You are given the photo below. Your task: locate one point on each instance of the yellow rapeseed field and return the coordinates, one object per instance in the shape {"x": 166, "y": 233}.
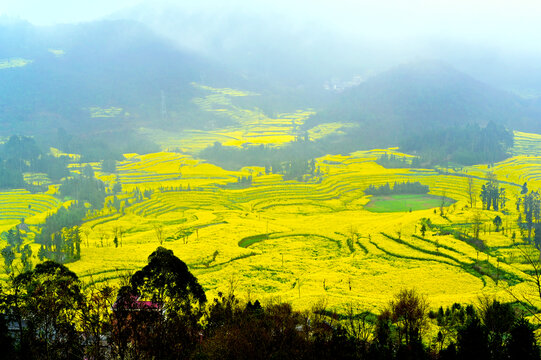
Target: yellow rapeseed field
{"x": 301, "y": 242}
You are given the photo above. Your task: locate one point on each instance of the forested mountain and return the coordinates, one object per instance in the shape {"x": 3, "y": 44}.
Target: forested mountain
{"x": 419, "y": 105}
{"x": 93, "y": 76}
{"x": 425, "y": 96}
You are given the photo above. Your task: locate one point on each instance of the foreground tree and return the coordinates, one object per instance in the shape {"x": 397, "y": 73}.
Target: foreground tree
{"x": 171, "y": 300}
{"x": 473, "y": 341}
{"x": 498, "y": 319}
{"x": 48, "y": 298}
{"x": 408, "y": 311}
{"x": 521, "y": 343}
{"x": 95, "y": 319}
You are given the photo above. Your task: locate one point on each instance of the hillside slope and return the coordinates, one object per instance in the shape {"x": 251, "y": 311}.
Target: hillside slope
{"x": 425, "y": 97}
{"x": 94, "y": 75}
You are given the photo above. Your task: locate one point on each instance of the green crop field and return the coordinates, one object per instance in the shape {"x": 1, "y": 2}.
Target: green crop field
{"x": 406, "y": 202}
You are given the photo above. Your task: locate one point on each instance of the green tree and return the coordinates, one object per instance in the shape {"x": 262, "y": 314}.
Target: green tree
{"x": 117, "y": 187}
{"x": 498, "y": 319}
{"x": 472, "y": 341}
{"x": 521, "y": 343}
{"x": 497, "y": 222}
{"x": 531, "y": 204}
{"x": 96, "y": 320}
{"x": 14, "y": 239}
{"x": 88, "y": 171}
{"x": 6, "y": 341}
{"x": 423, "y": 229}
{"x": 26, "y": 258}
{"x": 50, "y": 296}
{"x": 9, "y": 257}
{"x": 503, "y": 198}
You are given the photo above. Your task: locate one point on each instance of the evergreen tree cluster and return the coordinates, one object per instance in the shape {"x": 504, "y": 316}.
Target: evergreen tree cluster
{"x": 463, "y": 144}
{"x": 297, "y": 169}
{"x": 244, "y": 180}
{"x": 397, "y": 188}
{"x": 492, "y": 194}
{"x": 15, "y": 240}
{"x": 50, "y": 236}
{"x": 104, "y": 146}
{"x": 529, "y": 219}
{"x": 108, "y": 165}
{"x": 64, "y": 246}
{"x": 297, "y": 154}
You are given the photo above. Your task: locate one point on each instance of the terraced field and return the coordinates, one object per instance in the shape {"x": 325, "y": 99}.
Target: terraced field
{"x": 250, "y": 126}
{"x": 21, "y": 204}
{"x": 304, "y": 242}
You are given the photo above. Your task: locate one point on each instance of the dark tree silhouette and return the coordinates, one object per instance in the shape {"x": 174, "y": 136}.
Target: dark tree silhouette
{"x": 521, "y": 343}
{"x": 166, "y": 283}
{"x": 409, "y": 310}
{"x": 473, "y": 341}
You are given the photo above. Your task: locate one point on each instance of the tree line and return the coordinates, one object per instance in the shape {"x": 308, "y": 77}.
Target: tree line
{"x": 161, "y": 312}
{"x": 406, "y": 187}
{"x": 492, "y": 194}
{"x": 393, "y": 161}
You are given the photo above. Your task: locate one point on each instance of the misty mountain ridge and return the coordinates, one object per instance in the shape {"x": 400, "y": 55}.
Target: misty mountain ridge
{"x": 423, "y": 96}
{"x": 297, "y": 44}
{"x": 123, "y": 67}
{"x": 101, "y": 64}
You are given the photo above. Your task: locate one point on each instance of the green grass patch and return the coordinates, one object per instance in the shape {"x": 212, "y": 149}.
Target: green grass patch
{"x": 250, "y": 240}
{"x": 405, "y": 202}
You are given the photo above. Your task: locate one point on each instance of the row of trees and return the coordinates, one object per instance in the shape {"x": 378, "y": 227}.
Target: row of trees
{"x": 529, "y": 208}
{"x": 492, "y": 194}
{"x": 393, "y": 161}
{"x": 161, "y": 312}
{"x": 397, "y": 188}
{"x": 63, "y": 246}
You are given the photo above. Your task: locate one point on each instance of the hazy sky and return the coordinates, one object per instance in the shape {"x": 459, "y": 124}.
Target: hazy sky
{"x": 48, "y": 12}
{"x": 513, "y": 23}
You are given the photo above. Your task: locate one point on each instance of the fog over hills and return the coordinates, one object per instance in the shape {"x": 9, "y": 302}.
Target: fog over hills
{"x": 310, "y": 42}
{"x": 72, "y": 68}
{"x": 147, "y": 56}
{"x": 424, "y": 96}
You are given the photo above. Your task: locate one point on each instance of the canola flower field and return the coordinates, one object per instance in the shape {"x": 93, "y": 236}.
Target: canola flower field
{"x": 302, "y": 242}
